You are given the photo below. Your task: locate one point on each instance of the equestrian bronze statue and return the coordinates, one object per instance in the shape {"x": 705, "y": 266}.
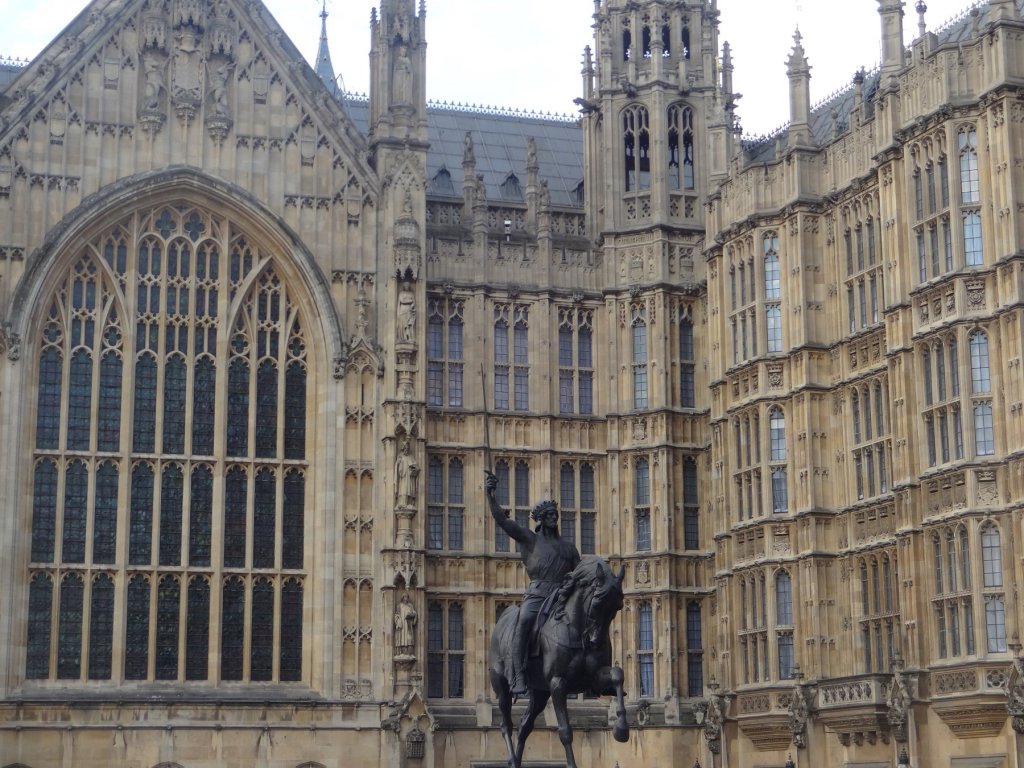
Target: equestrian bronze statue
{"x": 556, "y": 642}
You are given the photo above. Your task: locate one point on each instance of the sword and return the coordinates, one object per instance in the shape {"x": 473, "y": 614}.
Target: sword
{"x": 487, "y": 432}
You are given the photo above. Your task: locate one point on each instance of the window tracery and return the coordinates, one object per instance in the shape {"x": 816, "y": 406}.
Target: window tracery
{"x": 132, "y": 386}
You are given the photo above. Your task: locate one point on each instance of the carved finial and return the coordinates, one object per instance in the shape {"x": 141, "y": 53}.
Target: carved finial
{"x": 921, "y": 9}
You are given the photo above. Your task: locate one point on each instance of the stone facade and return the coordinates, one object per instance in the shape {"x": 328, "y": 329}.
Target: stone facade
{"x": 260, "y": 344}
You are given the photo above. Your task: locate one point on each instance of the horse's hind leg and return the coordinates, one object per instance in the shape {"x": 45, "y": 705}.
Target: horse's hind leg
{"x": 537, "y": 701}
{"x": 559, "y": 695}
{"x": 500, "y": 686}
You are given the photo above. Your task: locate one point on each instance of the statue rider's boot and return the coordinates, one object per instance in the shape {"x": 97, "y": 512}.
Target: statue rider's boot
{"x": 519, "y": 683}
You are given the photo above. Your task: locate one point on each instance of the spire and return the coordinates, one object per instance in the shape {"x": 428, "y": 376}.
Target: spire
{"x": 891, "y": 13}
{"x": 799, "y": 73}
{"x": 324, "y": 68}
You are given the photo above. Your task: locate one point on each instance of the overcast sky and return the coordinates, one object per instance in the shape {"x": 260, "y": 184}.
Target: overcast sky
{"x": 526, "y": 53}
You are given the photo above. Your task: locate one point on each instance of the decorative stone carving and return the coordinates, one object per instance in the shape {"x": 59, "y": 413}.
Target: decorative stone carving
{"x": 10, "y": 342}
{"x": 186, "y": 91}
{"x": 642, "y": 574}
{"x": 975, "y": 294}
{"x": 898, "y": 702}
{"x": 1015, "y": 695}
{"x": 714, "y": 719}
{"x": 218, "y": 115}
{"x": 405, "y": 626}
{"x": 407, "y": 472}
{"x": 401, "y": 78}
{"x": 799, "y": 714}
{"x": 154, "y": 89}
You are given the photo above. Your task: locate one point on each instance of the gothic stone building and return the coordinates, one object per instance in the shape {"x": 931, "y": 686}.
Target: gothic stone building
{"x": 251, "y": 328}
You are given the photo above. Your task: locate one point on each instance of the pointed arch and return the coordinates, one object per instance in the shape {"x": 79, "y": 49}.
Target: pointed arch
{"x": 153, "y": 189}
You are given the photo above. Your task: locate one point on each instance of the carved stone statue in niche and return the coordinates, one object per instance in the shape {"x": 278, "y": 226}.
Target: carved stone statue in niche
{"x": 468, "y": 156}
{"x": 407, "y": 473}
{"x": 531, "y": 154}
{"x": 405, "y": 625}
{"x": 218, "y": 90}
{"x": 154, "y": 87}
{"x": 401, "y": 78}
{"x": 187, "y": 87}
{"x": 406, "y": 315}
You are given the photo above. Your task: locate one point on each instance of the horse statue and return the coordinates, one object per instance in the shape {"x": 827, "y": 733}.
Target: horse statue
{"x": 571, "y": 654}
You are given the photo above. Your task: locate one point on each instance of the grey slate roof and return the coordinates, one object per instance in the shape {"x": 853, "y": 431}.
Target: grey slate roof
{"x": 960, "y": 29}
{"x": 499, "y": 145}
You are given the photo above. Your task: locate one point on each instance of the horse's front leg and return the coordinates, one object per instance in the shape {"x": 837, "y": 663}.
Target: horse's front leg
{"x": 612, "y": 677}
{"x": 500, "y": 686}
{"x": 559, "y": 695}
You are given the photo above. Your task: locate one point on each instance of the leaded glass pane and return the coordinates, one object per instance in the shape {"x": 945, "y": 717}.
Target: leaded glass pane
{"x": 104, "y": 523}
{"x": 136, "y": 645}
{"x": 171, "y": 490}
{"x": 76, "y": 495}
{"x": 140, "y": 533}
{"x": 144, "y": 421}
{"x": 79, "y": 400}
{"x": 232, "y": 636}
{"x": 197, "y": 629}
{"x": 101, "y": 628}
{"x": 261, "y": 657}
{"x": 44, "y": 511}
{"x": 291, "y": 631}
{"x": 109, "y": 421}
{"x": 264, "y": 519}
{"x": 48, "y": 411}
{"x": 203, "y": 406}
{"x": 69, "y": 628}
{"x": 266, "y": 409}
{"x": 40, "y": 608}
{"x": 238, "y": 408}
{"x": 200, "y": 517}
{"x": 236, "y": 503}
{"x": 293, "y": 524}
{"x": 168, "y": 597}
{"x": 295, "y": 411}
{"x": 174, "y": 405}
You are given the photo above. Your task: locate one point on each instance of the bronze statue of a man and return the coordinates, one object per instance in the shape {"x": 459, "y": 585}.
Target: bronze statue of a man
{"x": 548, "y": 559}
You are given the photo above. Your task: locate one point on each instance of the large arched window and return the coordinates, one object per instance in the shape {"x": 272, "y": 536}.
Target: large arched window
{"x": 169, "y": 469}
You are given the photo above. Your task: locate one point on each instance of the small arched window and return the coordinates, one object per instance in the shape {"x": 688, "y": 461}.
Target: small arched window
{"x": 636, "y": 139}
{"x": 784, "y": 599}
{"x": 680, "y": 147}
{"x": 981, "y": 381}
{"x": 991, "y": 557}
{"x": 777, "y": 428}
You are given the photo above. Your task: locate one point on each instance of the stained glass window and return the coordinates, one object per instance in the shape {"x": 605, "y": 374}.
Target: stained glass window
{"x": 168, "y": 597}
{"x": 104, "y": 523}
{"x": 203, "y": 406}
{"x": 101, "y": 627}
{"x": 238, "y": 408}
{"x": 128, "y": 376}
{"x": 140, "y": 542}
{"x": 174, "y": 405}
{"x": 266, "y": 409}
{"x": 197, "y": 629}
{"x": 79, "y": 400}
{"x": 76, "y": 496}
{"x": 261, "y": 657}
{"x": 40, "y": 608}
{"x": 136, "y": 652}
{"x": 293, "y": 523}
{"x": 291, "y": 630}
{"x": 264, "y": 519}
{"x": 44, "y": 511}
{"x": 232, "y": 629}
{"x": 236, "y": 489}
{"x": 145, "y": 404}
{"x": 170, "y": 515}
{"x": 69, "y": 627}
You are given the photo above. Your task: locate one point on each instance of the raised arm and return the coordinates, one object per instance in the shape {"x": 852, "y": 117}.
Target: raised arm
{"x": 516, "y": 531}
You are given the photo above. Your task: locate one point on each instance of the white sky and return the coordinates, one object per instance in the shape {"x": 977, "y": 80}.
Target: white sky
{"x": 526, "y": 53}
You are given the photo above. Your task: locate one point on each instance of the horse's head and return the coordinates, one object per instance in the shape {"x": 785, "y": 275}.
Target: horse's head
{"x": 603, "y": 601}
